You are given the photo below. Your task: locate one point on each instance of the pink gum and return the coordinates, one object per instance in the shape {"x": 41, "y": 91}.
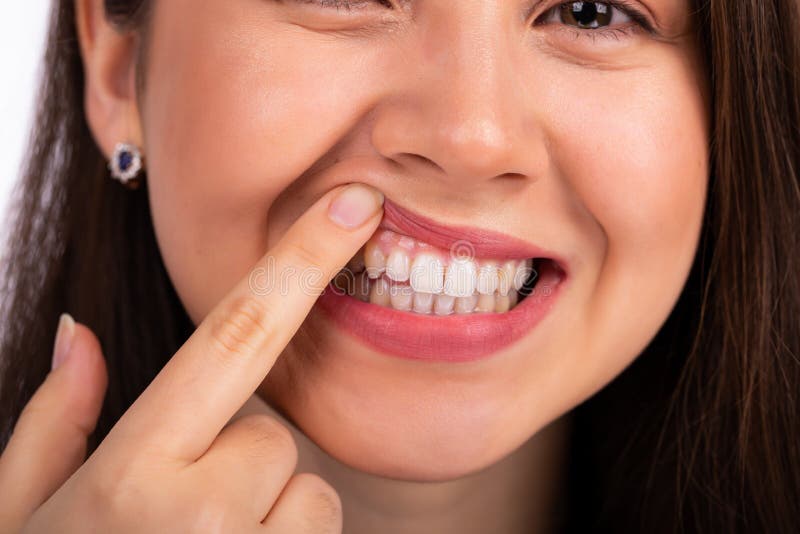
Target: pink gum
{"x": 387, "y": 241}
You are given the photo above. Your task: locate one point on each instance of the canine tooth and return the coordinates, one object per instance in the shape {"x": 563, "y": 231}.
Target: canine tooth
{"x": 487, "y": 278}
{"x": 423, "y": 302}
{"x": 466, "y": 304}
{"x": 501, "y": 303}
{"x": 505, "y": 276}
{"x": 485, "y": 303}
{"x": 524, "y": 270}
{"x": 443, "y": 304}
{"x": 460, "y": 279}
{"x": 401, "y": 297}
{"x": 427, "y": 273}
{"x": 379, "y": 293}
{"x": 374, "y": 260}
{"x": 398, "y": 265}
{"x": 513, "y": 298}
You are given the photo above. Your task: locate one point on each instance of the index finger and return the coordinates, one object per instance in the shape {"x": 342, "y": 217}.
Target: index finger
{"x": 229, "y": 354}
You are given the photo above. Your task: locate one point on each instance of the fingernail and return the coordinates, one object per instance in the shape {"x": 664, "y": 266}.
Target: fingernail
{"x": 64, "y": 335}
{"x": 355, "y": 205}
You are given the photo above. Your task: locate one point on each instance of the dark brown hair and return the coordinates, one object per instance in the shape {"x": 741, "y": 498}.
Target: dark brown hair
{"x": 699, "y": 434}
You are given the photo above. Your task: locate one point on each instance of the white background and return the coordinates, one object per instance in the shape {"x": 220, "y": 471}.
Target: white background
{"x": 22, "y": 33}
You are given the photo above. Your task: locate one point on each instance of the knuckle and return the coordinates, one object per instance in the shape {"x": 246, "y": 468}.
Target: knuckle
{"x": 267, "y": 437}
{"x": 240, "y": 327}
{"x": 115, "y": 490}
{"x": 323, "y": 504}
{"x": 211, "y": 516}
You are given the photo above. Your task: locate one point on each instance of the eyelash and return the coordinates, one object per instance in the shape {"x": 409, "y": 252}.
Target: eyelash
{"x": 640, "y": 21}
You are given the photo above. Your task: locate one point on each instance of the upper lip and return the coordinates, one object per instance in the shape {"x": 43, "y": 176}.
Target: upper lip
{"x": 478, "y": 242}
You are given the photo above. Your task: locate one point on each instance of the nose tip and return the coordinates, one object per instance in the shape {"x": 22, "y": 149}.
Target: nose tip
{"x": 466, "y": 146}
{"x": 460, "y": 112}
{"x": 480, "y": 147}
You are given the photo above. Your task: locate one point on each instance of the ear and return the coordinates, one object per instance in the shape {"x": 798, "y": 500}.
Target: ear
{"x": 109, "y": 58}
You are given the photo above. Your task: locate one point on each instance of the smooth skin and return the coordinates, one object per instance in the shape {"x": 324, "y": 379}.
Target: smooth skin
{"x": 171, "y": 464}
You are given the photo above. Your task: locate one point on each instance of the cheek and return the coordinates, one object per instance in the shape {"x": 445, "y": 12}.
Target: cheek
{"x": 227, "y": 130}
{"x": 635, "y": 150}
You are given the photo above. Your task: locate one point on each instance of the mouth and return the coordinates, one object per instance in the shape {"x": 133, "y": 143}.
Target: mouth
{"x": 421, "y": 290}
{"x": 399, "y": 272}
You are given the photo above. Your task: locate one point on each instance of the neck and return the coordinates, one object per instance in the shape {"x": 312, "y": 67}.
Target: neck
{"x": 517, "y": 494}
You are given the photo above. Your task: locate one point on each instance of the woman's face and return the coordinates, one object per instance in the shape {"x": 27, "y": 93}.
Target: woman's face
{"x": 497, "y": 115}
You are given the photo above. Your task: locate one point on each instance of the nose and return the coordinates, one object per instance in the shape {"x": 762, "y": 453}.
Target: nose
{"x": 456, "y": 109}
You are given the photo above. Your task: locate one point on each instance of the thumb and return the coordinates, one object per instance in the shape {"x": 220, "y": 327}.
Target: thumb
{"x": 49, "y": 441}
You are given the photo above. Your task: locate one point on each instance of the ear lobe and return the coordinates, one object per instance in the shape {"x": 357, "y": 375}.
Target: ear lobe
{"x": 109, "y": 62}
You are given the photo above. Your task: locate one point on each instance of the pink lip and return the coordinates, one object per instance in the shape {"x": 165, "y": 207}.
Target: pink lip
{"x": 483, "y": 243}
{"x": 451, "y": 338}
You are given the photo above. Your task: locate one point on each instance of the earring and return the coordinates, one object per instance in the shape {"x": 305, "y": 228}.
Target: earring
{"x": 125, "y": 164}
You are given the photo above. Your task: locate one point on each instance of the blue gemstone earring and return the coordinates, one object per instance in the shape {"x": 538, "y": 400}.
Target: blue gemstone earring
{"x": 125, "y": 164}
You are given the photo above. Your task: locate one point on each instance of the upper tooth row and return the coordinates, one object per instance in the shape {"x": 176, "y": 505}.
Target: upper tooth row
{"x": 462, "y": 277}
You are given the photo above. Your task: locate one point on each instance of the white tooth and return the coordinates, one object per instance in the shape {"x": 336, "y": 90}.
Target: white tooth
{"x": 427, "y": 273}
{"x": 466, "y": 304}
{"x": 397, "y": 266}
{"x": 513, "y": 298}
{"x": 401, "y": 297}
{"x": 524, "y": 269}
{"x": 487, "y": 278}
{"x": 362, "y": 287}
{"x": 485, "y": 303}
{"x": 379, "y": 293}
{"x": 443, "y": 304}
{"x": 423, "y": 302}
{"x": 374, "y": 260}
{"x": 461, "y": 276}
{"x": 505, "y": 276}
{"x": 501, "y": 303}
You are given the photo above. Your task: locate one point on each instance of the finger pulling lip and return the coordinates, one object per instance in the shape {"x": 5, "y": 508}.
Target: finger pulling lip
{"x": 469, "y": 240}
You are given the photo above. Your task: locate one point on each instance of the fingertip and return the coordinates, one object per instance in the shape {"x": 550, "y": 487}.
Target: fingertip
{"x": 88, "y": 370}
{"x": 355, "y": 205}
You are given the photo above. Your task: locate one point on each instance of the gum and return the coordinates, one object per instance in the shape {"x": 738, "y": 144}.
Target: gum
{"x": 387, "y": 241}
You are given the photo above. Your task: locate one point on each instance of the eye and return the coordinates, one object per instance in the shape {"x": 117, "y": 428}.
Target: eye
{"x": 604, "y": 16}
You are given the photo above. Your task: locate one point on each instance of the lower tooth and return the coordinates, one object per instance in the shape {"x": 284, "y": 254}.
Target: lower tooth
{"x": 423, "y": 302}
{"x": 362, "y": 287}
{"x": 502, "y": 303}
{"x": 401, "y": 297}
{"x": 443, "y": 304}
{"x": 379, "y": 293}
{"x": 513, "y": 298}
{"x": 485, "y": 303}
{"x": 466, "y": 304}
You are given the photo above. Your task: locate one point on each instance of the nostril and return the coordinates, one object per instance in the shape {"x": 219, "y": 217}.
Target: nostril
{"x": 423, "y": 160}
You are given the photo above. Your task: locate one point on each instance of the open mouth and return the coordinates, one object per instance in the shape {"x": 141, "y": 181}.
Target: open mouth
{"x": 422, "y": 290}
{"x": 399, "y": 272}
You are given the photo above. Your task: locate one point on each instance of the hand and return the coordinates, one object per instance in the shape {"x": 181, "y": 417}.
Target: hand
{"x": 172, "y": 463}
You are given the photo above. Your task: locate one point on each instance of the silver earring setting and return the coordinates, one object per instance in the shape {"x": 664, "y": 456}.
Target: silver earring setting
{"x": 126, "y": 163}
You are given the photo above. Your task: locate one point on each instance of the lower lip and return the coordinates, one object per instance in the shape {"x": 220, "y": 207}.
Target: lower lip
{"x": 450, "y": 338}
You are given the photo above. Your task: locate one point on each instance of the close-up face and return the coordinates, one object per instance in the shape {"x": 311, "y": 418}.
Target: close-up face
{"x": 574, "y": 135}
